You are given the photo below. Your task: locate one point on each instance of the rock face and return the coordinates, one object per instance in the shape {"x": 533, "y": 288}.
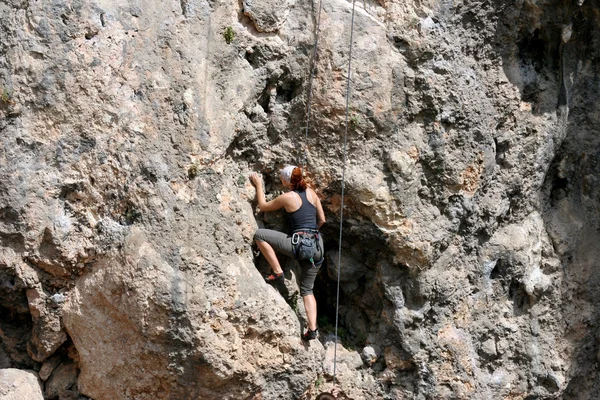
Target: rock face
{"x": 18, "y": 384}
{"x": 471, "y": 204}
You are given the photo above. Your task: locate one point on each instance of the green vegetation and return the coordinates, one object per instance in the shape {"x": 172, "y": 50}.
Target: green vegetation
{"x": 344, "y": 336}
{"x": 6, "y": 96}
{"x": 354, "y": 121}
{"x": 131, "y": 214}
{"x": 241, "y": 181}
{"x": 324, "y": 324}
{"x": 327, "y": 326}
{"x": 439, "y": 168}
{"x": 228, "y": 34}
{"x": 320, "y": 381}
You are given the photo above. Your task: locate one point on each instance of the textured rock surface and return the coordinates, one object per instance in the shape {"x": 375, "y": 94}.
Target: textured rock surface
{"x": 18, "y": 384}
{"x": 470, "y": 232}
{"x": 63, "y": 378}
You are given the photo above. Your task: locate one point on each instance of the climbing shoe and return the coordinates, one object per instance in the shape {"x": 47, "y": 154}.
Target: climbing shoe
{"x": 275, "y": 278}
{"x": 310, "y": 335}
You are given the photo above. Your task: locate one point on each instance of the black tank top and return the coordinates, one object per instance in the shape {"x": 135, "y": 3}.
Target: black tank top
{"x": 305, "y": 217}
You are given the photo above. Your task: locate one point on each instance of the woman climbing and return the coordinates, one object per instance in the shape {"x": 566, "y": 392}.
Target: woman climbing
{"x": 306, "y": 216}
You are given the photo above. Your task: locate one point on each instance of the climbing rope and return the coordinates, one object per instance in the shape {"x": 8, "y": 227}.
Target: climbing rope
{"x": 305, "y": 155}
{"x": 337, "y": 303}
{"x": 313, "y": 67}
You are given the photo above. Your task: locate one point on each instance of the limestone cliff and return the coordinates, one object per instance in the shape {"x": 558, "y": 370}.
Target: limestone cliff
{"x": 469, "y": 265}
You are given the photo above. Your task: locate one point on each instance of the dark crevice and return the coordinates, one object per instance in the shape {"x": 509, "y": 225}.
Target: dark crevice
{"x": 184, "y": 7}
{"x": 500, "y": 270}
{"x": 15, "y": 331}
{"x": 550, "y": 383}
{"x": 12, "y": 292}
{"x": 149, "y": 174}
{"x": 502, "y": 146}
{"x": 540, "y": 50}
{"x": 131, "y": 214}
{"x": 559, "y": 189}
{"x": 258, "y": 55}
{"x": 520, "y": 298}
{"x": 70, "y": 191}
{"x": 534, "y": 63}
{"x": 91, "y": 33}
{"x": 556, "y": 183}
{"x": 265, "y": 99}
{"x": 243, "y": 147}
{"x": 252, "y": 58}
{"x": 288, "y": 89}
{"x": 9, "y": 216}
{"x": 361, "y": 296}
{"x": 400, "y": 43}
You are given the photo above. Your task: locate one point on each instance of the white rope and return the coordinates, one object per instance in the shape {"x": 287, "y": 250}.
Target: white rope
{"x": 337, "y": 304}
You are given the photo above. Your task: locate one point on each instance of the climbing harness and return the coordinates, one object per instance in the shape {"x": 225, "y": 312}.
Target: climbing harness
{"x": 337, "y": 303}
{"x": 313, "y": 67}
{"x": 306, "y": 246}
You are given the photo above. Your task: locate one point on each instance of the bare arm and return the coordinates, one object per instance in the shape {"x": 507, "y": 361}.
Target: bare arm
{"x": 265, "y": 205}
{"x": 319, "y": 207}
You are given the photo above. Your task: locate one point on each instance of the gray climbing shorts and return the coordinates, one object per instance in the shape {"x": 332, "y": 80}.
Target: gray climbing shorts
{"x": 282, "y": 243}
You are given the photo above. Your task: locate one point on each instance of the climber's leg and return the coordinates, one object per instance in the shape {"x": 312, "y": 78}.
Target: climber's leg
{"x": 267, "y": 251}
{"x": 270, "y": 241}
{"x": 310, "y": 305}
{"x": 307, "y": 282}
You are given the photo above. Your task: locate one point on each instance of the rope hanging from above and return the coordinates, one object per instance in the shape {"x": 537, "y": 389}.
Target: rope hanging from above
{"x": 313, "y": 68}
{"x": 305, "y": 157}
{"x": 349, "y": 81}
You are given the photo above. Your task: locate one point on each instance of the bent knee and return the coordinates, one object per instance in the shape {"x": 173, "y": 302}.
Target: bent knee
{"x": 259, "y": 235}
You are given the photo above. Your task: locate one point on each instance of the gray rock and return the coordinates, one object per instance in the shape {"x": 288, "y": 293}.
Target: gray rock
{"x": 61, "y": 380}
{"x": 57, "y": 299}
{"x": 346, "y": 361}
{"x": 16, "y": 384}
{"x": 350, "y": 269}
{"x": 369, "y": 355}
{"x": 489, "y": 347}
{"x": 48, "y": 366}
{"x": 470, "y": 209}
{"x": 5, "y": 361}
{"x": 47, "y": 334}
{"x": 268, "y": 15}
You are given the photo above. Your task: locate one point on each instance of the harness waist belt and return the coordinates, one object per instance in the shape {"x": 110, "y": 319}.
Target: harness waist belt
{"x": 306, "y": 230}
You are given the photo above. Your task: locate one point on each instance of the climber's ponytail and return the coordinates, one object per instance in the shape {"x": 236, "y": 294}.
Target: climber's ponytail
{"x": 297, "y": 180}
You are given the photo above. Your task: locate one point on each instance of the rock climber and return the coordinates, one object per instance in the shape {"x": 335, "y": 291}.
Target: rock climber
{"x": 306, "y": 216}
